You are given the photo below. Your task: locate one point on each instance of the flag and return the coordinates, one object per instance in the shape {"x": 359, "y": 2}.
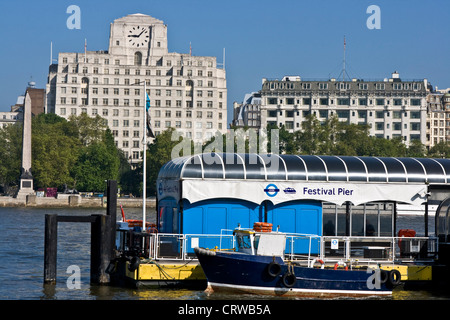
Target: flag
{"x": 147, "y": 109}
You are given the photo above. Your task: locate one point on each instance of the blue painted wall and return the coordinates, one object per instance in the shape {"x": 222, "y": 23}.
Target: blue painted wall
{"x": 213, "y": 216}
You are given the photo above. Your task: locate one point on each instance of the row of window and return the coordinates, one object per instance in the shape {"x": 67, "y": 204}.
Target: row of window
{"x": 137, "y": 72}
{"x": 106, "y": 61}
{"x": 187, "y": 114}
{"x": 137, "y": 92}
{"x": 157, "y": 114}
{"x": 346, "y": 114}
{"x": 344, "y": 101}
{"x": 137, "y": 102}
{"x": 158, "y": 82}
{"x": 188, "y": 124}
{"x": 345, "y": 85}
{"x": 396, "y": 126}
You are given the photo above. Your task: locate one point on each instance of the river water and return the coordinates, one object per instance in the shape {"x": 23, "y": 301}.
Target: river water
{"x": 22, "y": 256}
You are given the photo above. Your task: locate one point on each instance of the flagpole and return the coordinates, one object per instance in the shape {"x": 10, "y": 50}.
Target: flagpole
{"x": 144, "y": 164}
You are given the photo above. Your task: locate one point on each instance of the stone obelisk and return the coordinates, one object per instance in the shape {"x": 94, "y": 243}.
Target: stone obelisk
{"x": 26, "y": 178}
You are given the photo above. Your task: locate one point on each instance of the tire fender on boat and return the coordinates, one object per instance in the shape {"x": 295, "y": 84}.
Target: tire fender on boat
{"x": 289, "y": 279}
{"x": 394, "y": 277}
{"x": 134, "y": 263}
{"x": 273, "y": 269}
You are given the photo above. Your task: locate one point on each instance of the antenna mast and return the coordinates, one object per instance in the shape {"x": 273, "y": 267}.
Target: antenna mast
{"x": 343, "y": 67}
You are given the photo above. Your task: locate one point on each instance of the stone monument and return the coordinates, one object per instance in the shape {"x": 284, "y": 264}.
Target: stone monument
{"x": 26, "y": 178}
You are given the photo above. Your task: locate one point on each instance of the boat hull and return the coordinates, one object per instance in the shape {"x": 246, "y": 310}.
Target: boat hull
{"x": 242, "y": 273}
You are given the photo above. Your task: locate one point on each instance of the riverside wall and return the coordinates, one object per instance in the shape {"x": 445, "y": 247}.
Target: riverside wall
{"x": 70, "y": 200}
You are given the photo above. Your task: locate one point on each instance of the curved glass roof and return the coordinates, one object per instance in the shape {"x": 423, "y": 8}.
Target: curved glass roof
{"x": 307, "y": 168}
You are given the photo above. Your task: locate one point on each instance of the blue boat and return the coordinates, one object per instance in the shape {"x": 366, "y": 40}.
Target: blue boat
{"x": 258, "y": 264}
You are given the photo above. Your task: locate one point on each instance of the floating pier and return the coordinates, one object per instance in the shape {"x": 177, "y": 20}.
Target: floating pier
{"x": 150, "y": 273}
{"x": 137, "y": 266}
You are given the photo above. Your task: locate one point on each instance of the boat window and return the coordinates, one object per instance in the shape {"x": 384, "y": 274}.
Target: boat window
{"x": 244, "y": 241}
{"x": 256, "y": 242}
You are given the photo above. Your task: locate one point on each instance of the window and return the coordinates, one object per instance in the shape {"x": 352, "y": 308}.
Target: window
{"x": 138, "y": 59}
{"x": 343, "y": 101}
{"x": 415, "y": 115}
{"x": 415, "y": 126}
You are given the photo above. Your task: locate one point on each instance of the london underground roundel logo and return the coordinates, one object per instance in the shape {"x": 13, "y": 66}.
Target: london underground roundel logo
{"x": 271, "y": 190}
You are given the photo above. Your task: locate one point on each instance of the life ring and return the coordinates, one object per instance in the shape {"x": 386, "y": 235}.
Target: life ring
{"x": 137, "y": 223}
{"x": 273, "y": 269}
{"x": 319, "y": 261}
{"x": 134, "y": 263}
{"x": 152, "y": 229}
{"x": 262, "y": 226}
{"x": 336, "y": 265}
{"x": 394, "y": 277}
{"x": 289, "y": 279}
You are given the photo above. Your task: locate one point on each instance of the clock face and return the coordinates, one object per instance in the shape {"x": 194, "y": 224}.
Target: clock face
{"x": 138, "y": 36}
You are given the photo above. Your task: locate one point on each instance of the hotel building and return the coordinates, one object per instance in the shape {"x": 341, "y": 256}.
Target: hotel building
{"x": 393, "y": 107}
{"x": 187, "y": 92}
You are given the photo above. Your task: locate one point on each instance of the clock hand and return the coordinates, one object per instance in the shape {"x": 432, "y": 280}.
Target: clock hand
{"x": 133, "y": 35}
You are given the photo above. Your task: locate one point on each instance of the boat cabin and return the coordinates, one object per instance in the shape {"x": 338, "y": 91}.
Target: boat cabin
{"x": 260, "y": 243}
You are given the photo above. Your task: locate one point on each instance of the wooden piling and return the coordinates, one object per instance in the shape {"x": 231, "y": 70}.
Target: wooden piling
{"x": 102, "y": 239}
{"x": 50, "y": 248}
{"x": 111, "y": 210}
{"x": 101, "y": 250}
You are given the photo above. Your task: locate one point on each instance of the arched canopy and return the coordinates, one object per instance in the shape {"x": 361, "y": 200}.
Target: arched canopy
{"x": 282, "y": 178}
{"x": 308, "y": 168}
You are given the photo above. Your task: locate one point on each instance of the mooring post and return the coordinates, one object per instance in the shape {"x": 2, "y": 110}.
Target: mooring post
{"x": 50, "y": 248}
{"x": 100, "y": 249}
{"x": 111, "y": 209}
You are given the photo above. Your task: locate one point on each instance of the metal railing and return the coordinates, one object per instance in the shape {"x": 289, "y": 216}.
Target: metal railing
{"x": 383, "y": 249}
{"x": 299, "y": 247}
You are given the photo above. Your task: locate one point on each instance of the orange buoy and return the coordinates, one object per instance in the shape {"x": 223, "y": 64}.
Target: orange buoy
{"x": 262, "y": 226}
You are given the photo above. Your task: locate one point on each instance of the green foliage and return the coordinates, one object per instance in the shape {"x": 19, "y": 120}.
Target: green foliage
{"x": 55, "y": 150}
{"x": 10, "y": 156}
{"x": 160, "y": 151}
{"x": 340, "y": 138}
{"x": 79, "y": 153}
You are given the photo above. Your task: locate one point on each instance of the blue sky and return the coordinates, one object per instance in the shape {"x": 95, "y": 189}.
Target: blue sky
{"x": 263, "y": 39}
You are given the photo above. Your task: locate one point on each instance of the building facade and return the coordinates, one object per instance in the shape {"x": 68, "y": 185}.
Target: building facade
{"x": 36, "y": 99}
{"x": 392, "y": 107}
{"x": 436, "y": 119}
{"x": 248, "y": 113}
{"x": 186, "y": 92}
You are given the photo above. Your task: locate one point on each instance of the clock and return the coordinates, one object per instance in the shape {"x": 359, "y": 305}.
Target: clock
{"x": 138, "y": 36}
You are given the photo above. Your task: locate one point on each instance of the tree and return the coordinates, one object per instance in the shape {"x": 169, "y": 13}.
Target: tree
{"x": 55, "y": 150}
{"x": 164, "y": 147}
{"x": 99, "y": 158}
{"x": 96, "y": 163}
{"x": 440, "y": 150}
{"x": 10, "y": 156}
{"x": 416, "y": 149}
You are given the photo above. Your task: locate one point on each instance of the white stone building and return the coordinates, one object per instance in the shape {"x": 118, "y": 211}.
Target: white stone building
{"x": 393, "y": 107}
{"x": 188, "y": 93}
